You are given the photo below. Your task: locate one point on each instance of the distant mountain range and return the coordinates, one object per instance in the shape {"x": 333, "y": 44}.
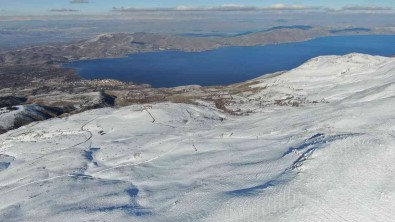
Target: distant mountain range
{"x": 121, "y": 44}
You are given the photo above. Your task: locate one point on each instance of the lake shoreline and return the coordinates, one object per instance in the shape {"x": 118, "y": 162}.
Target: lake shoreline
{"x": 205, "y": 64}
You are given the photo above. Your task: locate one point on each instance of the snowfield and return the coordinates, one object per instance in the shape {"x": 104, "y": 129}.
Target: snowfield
{"x": 330, "y": 159}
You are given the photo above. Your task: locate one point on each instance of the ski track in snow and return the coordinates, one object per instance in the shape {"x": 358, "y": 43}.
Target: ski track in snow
{"x": 328, "y": 161}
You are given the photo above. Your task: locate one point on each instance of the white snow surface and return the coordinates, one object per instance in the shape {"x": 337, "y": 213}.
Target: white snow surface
{"x": 327, "y": 161}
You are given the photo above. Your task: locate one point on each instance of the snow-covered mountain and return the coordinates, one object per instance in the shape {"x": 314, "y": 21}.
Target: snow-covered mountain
{"x": 322, "y": 150}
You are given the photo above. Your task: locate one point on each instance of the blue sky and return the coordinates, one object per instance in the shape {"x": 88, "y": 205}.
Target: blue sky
{"x": 45, "y": 7}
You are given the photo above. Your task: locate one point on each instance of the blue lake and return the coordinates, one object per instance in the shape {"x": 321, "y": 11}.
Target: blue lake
{"x": 226, "y": 65}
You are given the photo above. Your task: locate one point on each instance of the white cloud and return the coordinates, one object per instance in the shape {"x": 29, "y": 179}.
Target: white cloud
{"x": 79, "y": 1}
{"x": 289, "y": 7}
{"x": 63, "y": 10}
{"x": 272, "y": 8}
{"x": 225, "y": 7}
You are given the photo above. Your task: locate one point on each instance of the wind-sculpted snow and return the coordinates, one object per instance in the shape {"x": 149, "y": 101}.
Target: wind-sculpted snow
{"x": 331, "y": 160}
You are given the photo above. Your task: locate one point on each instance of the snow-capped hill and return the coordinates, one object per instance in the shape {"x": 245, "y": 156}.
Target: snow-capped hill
{"x": 326, "y": 161}
{"x": 108, "y": 38}
{"x": 57, "y": 103}
{"x": 333, "y": 78}
{"x": 349, "y": 59}
{"x": 16, "y": 116}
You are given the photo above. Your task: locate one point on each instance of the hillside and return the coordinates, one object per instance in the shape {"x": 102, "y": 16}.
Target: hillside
{"x": 312, "y": 144}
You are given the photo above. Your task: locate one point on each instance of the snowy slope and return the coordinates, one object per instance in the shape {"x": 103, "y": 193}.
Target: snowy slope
{"x": 331, "y": 160}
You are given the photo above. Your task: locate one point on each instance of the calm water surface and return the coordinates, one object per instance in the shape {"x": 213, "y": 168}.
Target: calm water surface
{"x": 226, "y": 65}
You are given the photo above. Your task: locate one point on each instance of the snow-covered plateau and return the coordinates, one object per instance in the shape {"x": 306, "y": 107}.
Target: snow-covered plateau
{"x": 331, "y": 159}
